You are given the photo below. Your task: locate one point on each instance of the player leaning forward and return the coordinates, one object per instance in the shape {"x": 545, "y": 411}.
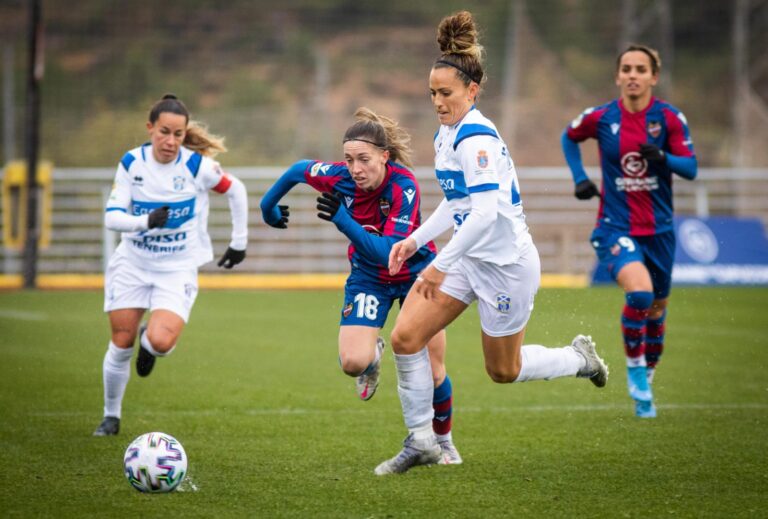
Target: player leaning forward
{"x": 159, "y": 202}
{"x": 490, "y": 258}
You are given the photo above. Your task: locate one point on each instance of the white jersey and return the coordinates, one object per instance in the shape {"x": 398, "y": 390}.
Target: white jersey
{"x": 470, "y": 157}
{"x": 143, "y": 184}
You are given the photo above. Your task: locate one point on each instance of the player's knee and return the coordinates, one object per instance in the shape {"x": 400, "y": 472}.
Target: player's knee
{"x": 162, "y": 343}
{"x": 352, "y": 365}
{"x": 404, "y": 341}
{"x": 503, "y": 374}
{"x": 640, "y": 300}
{"x": 123, "y": 338}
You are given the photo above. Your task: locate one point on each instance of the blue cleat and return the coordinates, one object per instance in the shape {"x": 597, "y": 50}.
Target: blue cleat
{"x": 644, "y": 409}
{"x": 637, "y": 381}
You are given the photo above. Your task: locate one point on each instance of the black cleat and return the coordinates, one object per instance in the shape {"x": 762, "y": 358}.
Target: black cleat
{"x": 145, "y": 361}
{"x": 110, "y": 426}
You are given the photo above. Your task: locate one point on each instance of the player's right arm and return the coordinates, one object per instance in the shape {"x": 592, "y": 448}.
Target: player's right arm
{"x": 581, "y": 128}
{"x": 277, "y": 215}
{"x": 117, "y": 215}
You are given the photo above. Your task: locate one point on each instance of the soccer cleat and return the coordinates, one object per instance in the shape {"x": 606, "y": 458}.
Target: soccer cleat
{"x": 415, "y": 452}
{"x": 110, "y": 426}
{"x": 596, "y": 370}
{"x": 449, "y": 455}
{"x": 645, "y": 409}
{"x": 367, "y": 383}
{"x": 145, "y": 361}
{"x": 637, "y": 384}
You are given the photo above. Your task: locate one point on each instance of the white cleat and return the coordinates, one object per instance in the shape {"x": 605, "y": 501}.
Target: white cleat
{"x": 367, "y": 383}
{"x": 596, "y": 370}
{"x": 415, "y": 452}
{"x": 449, "y": 455}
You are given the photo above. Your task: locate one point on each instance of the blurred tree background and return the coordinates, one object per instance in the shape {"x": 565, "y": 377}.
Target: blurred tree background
{"x": 281, "y": 81}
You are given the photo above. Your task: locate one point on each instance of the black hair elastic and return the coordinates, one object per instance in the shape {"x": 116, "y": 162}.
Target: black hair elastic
{"x": 457, "y": 67}
{"x": 363, "y": 140}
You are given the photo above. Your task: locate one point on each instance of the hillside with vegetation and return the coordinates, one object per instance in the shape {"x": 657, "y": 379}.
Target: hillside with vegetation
{"x": 281, "y": 81}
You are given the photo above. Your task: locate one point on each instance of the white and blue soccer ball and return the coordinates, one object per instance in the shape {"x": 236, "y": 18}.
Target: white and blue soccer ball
{"x": 155, "y": 462}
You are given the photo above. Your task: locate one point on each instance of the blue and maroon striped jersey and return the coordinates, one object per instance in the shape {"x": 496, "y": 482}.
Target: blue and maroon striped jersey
{"x": 391, "y": 210}
{"x": 636, "y": 194}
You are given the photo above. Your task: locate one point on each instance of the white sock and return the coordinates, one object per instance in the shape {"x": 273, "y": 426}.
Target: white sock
{"x": 148, "y": 346}
{"x": 444, "y": 437}
{"x": 416, "y": 388}
{"x": 116, "y": 372}
{"x": 540, "y": 363}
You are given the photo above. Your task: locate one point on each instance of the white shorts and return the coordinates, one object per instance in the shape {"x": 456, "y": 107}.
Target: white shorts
{"x": 504, "y": 294}
{"x": 129, "y": 286}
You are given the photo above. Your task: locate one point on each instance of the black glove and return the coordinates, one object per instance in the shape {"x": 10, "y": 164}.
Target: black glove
{"x": 282, "y": 223}
{"x": 158, "y": 217}
{"x": 652, "y": 153}
{"x": 586, "y": 189}
{"x": 328, "y": 205}
{"x": 231, "y": 258}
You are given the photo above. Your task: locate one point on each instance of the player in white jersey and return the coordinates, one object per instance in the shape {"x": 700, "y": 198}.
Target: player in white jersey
{"x": 159, "y": 202}
{"x": 491, "y": 257}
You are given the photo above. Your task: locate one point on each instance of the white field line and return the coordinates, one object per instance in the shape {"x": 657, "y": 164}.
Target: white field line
{"x": 459, "y": 410}
{"x": 22, "y": 315}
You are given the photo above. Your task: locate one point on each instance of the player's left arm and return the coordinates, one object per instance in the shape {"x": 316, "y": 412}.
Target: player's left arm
{"x": 218, "y": 180}
{"x": 680, "y": 158}
{"x": 374, "y": 247}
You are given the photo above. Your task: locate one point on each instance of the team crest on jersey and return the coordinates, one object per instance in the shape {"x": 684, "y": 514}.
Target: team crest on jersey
{"x": 654, "y": 128}
{"x": 616, "y": 249}
{"x": 347, "y": 310}
{"x": 503, "y": 303}
{"x": 178, "y": 183}
{"x": 633, "y": 164}
{"x": 384, "y": 206}
{"x": 482, "y": 159}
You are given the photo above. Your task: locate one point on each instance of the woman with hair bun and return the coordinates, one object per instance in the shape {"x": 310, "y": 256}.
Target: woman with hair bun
{"x": 490, "y": 258}
{"x": 374, "y": 200}
{"x": 159, "y": 202}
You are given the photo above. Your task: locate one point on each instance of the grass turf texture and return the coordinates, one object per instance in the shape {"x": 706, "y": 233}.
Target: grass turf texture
{"x": 273, "y": 428}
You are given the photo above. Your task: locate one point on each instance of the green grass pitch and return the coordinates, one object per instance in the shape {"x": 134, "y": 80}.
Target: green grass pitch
{"x": 273, "y": 428}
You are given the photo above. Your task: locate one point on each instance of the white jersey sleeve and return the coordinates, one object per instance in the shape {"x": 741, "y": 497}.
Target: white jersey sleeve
{"x": 212, "y": 177}
{"x": 117, "y": 216}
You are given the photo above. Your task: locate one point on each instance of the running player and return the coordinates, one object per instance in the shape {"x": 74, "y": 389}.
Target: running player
{"x": 159, "y": 202}
{"x": 642, "y": 141}
{"x": 374, "y": 199}
{"x": 491, "y": 257}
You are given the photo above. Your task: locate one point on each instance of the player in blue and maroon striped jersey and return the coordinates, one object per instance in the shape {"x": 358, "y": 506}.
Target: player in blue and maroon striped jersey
{"x": 642, "y": 141}
{"x": 375, "y": 202}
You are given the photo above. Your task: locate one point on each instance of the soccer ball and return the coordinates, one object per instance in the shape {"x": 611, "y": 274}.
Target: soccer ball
{"x": 155, "y": 462}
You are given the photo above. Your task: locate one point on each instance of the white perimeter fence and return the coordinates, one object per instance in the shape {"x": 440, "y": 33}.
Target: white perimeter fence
{"x": 560, "y": 224}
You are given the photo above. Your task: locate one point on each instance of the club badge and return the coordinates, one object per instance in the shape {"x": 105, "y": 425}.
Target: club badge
{"x": 482, "y": 159}
{"x": 178, "y": 183}
{"x": 654, "y": 128}
{"x": 347, "y": 310}
{"x": 503, "y": 303}
{"x": 384, "y": 205}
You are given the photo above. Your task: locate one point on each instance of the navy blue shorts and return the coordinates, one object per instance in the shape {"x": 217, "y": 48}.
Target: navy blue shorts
{"x": 367, "y": 302}
{"x": 616, "y": 248}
